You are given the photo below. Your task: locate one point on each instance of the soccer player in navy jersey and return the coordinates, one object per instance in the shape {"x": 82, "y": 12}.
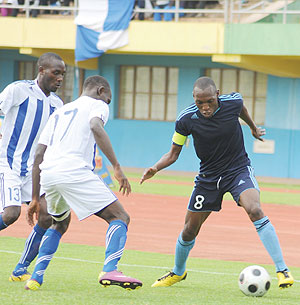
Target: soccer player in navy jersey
{"x": 26, "y": 105}
{"x": 213, "y": 122}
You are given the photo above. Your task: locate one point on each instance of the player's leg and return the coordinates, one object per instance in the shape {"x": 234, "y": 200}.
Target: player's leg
{"x": 60, "y": 212}
{"x": 9, "y": 216}
{"x": 48, "y": 247}
{"x": 10, "y": 199}
{"x": 32, "y": 244}
{"x": 249, "y": 200}
{"x": 206, "y": 197}
{"x": 184, "y": 244}
{"x": 245, "y": 191}
{"x": 116, "y": 237}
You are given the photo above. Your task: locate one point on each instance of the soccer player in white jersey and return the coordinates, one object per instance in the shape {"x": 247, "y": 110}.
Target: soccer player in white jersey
{"x": 26, "y": 105}
{"x": 63, "y": 165}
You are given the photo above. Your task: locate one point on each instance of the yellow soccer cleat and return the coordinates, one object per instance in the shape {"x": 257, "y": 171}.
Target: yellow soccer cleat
{"x": 285, "y": 279}
{"x": 19, "y": 278}
{"x": 169, "y": 279}
{"x": 32, "y": 285}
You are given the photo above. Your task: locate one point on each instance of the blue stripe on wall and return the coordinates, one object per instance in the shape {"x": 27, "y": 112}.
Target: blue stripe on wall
{"x": 17, "y": 131}
{"x": 33, "y": 133}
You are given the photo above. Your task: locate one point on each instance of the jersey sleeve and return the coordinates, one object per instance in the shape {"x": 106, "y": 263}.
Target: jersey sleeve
{"x": 47, "y": 132}
{"x": 100, "y": 110}
{"x": 181, "y": 133}
{"x": 7, "y": 98}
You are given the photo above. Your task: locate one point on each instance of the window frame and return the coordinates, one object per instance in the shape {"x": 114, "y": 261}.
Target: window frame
{"x": 134, "y": 93}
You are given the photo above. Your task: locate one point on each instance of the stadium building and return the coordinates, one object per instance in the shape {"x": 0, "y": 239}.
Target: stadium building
{"x": 252, "y": 49}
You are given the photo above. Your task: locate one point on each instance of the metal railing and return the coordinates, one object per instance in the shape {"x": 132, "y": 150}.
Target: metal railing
{"x": 229, "y": 11}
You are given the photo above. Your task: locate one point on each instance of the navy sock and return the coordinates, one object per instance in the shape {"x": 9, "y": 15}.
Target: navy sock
{"x": 116, "y": 236}
{"x": 3, "y": 225}
{"x": 182, "y": 251}
{"x": 48, "y": 247}
{"x": 270, "y": 240}
{"x": 31, "y": 250}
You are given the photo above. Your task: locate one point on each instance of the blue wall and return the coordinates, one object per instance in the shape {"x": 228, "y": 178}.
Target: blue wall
{"x": 142, "y": 143}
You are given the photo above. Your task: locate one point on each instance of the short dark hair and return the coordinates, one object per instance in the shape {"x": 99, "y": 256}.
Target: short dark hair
{"x": 95, "y": 80}
{"x": 44, "y": 60}
{"x": 204, "y": 82}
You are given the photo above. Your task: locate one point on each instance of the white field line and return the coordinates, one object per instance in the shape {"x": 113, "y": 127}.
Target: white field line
{"x": 138, "y": 266}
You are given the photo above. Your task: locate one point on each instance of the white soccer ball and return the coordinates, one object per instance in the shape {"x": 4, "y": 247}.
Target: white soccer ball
{"x": 254, "y": 281}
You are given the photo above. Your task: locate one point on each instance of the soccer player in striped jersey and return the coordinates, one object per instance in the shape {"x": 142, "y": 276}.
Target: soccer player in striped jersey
{"x": 64, "y": 163}
{"x": 27, "y": 106}
{"x": 213, "y": 122}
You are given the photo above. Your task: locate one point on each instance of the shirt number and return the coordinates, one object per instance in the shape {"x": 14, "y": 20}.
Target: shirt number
{"x": 72, "y": 114}
{"x": 199, "y": 200}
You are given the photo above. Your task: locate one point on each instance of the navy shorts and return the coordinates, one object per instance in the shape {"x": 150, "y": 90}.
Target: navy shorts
{"x": 208, "y": 196}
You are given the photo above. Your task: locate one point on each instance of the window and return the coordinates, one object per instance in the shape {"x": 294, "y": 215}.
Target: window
{"x": 27, "y": 70}
{"x": 148, "y": 93}
{"x": 252, "y": 86}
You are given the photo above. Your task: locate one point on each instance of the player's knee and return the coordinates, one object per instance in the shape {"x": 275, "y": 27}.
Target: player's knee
{"x": 45, "y": 220}
{"x": 189, "y": 234}
{"x": 255, "y": 213}
{"x": 125, "y": 217}
{"x": 61, "y": 226}
{"x": 11, "y": 214}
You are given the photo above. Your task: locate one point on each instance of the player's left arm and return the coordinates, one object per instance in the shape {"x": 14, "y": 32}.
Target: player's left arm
{"x": 104, "y": 143}
{"x": 257, "y": 132}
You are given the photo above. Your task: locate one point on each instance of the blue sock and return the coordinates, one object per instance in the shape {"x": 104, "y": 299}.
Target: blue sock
{"x": 182, "y": 251}
{"x": 270, "y": 240}
{"x": 116, "y": 236}
{"x": 31, "y": 250}
{"x": 48, "y": 247}
{"x": 3, "y": 225}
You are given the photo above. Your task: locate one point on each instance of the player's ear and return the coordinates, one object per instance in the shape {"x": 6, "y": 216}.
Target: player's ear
{"x": 100, "y": 90}
{"x": 41, "y": 69}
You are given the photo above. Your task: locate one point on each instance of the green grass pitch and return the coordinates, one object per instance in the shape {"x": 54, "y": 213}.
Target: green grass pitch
{"x": 72, "y": 279}
{"x": 72, "y": 275}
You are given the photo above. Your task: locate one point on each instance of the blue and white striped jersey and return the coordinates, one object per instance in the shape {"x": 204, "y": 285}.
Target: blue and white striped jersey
{"x": 26, "y": 111}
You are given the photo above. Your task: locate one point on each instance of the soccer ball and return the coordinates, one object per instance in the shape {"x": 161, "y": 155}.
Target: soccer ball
{"x": 254, "y": 281}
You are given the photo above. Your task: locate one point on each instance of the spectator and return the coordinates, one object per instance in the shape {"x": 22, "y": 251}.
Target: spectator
{"x": 66, "y": 3}
{"x": 6, "y": 11}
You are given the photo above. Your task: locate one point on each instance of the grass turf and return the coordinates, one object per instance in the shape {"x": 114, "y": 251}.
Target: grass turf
{"x": 185, "y": 189}
{"x": 72, "y": 279}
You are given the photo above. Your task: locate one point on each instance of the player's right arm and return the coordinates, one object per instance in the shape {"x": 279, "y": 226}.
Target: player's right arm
{"x": 34, "y": 206}
{"x": 166, "y": 160}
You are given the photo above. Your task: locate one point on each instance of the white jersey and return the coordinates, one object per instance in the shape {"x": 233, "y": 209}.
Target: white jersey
{"x": 69, "y": 139}
{"x": 26, "y": 111}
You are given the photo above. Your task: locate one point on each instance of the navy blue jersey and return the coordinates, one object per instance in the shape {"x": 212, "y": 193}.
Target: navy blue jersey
{"x": 218, "y": 140}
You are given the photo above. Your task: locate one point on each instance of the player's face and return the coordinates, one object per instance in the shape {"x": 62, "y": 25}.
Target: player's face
{"x": 51, "y": 77}
{"x": 206, "y": 100}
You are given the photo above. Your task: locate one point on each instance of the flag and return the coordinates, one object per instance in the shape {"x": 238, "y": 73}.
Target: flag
{"x": 101, "y": 169}
{"x": 101, "y": 25}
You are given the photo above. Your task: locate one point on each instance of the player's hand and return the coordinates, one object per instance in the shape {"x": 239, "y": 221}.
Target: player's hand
{"x": 258, "y": 132}
{"x": 33, "y": 208}
{"x": 149, "y": 173}
{"x": 125, "y": 187}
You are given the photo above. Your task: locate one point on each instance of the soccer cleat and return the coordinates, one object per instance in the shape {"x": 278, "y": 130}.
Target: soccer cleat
{"x": 169, "y": 279}
{"x": 285, "y": 279}
{"x": 32, "y": 285}
{"x": 119, "y": 279}
{"x": 19, "y": 278}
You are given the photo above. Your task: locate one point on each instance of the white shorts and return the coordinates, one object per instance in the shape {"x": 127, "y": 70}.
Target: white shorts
{"x": 84, "y": 192}
{"x": 14, "y": 189}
